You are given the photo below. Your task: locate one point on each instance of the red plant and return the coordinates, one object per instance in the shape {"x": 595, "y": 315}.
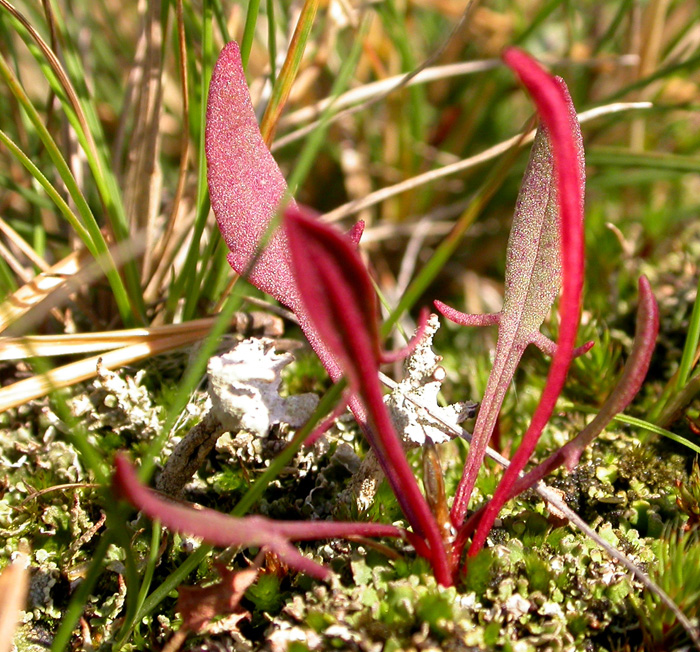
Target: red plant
{"x": 317, "y": 272}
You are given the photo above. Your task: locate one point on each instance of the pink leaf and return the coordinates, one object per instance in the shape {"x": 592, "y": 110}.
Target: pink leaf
{"x": 559, "y": 117}
{"x": 627, "y": 387}
{"x": 246, "y": 188}
{"x": 222, "y": 530}
{"x": 245, "y": 184}
{"x": 340, "y": 299}
{"x": 532, "y": 280}
{"x": 625, "y": 390}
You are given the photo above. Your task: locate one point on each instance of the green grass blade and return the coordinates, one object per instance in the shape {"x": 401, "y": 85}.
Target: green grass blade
{"x": 251, "y": 20}
{"x": 220, "y": 17}
{"x": 315, "y": 139}
{"x": 55, "y": 196}
{"x": 82, "y": 115}
{"x": 7, "y": 279}
{"x": 253, "y": 494}
{"x": 540, "y": 17}
{"x": 622, "y": 12}
{"x": 95, "y": 242}
{"x": 76, "y": 607}
{"x": 272, "y": 40}
{"x": 288, "y": 73}
{"x": 638, "y": 423}
{"x": 691, "y": 344}
{"x": 191, "y": 379}
{"x": 622, "y": 157}
{"x": 657, "y": 430}
{"x": 187, "y": 282}
{"x": 169, "y": 584}
{"x": 151, "y": 563}
{"x": 661, "y": 73}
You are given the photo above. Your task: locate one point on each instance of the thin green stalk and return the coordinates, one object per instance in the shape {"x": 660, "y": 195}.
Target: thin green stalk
{"x": 116, "y": 520}
{"x": 90, "y": 233}
{"x": 169, "y": 584}
{"x": 306, "y": 159}
{"x": 253, "y": 494}
{"x": 7, "y": 280}
{"x": 214, "y": 277}
{"x": 623, "y": 157}
{"x": 637, "y": 423}
{"x": 251, "y": 20}
{"x": 83, "y": 118}
{"x": 623, "y": 11}
{"x": 76, "y": 607}
{"x": 655, "y": 412}
{"x": 657, "y": 430}
{"x": 679, "y": 391}
{"x": 191, "y": 379}
{"x": 187, "y": 281}
{"x": 55, "y": 196}
{"x": 674, "y": 406}
{"x": 661, "y": 73}
{"x": 415, "y": 114}
{"x": 128, "y": 626}
{"x": 539, "y": 18}
{"x": 288, "y": 73}
{"x": 81, "y": 112}
{"x": 282, "y": 460}
{"x": 691, "y": 344}
{"x": 315, "y": 139}
{"x": 151, "y": 563}
{"x": 204, "y": 272}
{"x": 220, "y": 17}
{"x": 272, "y": 40}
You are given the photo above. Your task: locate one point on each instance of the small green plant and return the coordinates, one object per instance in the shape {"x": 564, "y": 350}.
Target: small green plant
{"x": 676, "y": 571}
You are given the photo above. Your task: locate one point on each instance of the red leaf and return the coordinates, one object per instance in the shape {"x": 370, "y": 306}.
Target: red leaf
{"x": 557, "y": 115}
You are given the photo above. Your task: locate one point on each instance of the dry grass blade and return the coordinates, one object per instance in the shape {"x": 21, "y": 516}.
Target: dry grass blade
{"x": 14, "y": 584}
{"x": 18, "y": 348}
{"x": 14, "y": 264}
{"x": 59, "y": 71}
{"x": 143, "y": 178}
{"x": 35, "y": 387}
{"x": 556, "y": 505}
{"x": 40, "y": 287}
{"x": 288, "y": 73}
{"x": 165, "y": 248}
{"x": 28, "y": 306}
{"x": 18, "y": 241}
{"x": 135, "y": 345}
{"x": 460, "y": 166}
{"x": 650, "y": 42}
{"x": 369, "y": 93}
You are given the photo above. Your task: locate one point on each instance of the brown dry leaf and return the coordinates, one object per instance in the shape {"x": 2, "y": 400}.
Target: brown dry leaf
{"x": 199, "y": 605}
{"x": 14, "y": 583}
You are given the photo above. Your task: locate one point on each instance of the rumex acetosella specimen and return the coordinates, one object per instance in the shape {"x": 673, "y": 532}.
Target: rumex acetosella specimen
{"x": 316, "y": 271}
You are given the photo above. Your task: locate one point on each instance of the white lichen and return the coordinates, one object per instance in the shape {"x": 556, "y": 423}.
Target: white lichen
{"x": 244, "y": 389}
{"x": 118, "y": 402}
{"x": 422, "y": 383}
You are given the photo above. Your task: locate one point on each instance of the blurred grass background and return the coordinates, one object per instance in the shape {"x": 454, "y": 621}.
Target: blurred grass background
{"x": 105, "y": 221}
